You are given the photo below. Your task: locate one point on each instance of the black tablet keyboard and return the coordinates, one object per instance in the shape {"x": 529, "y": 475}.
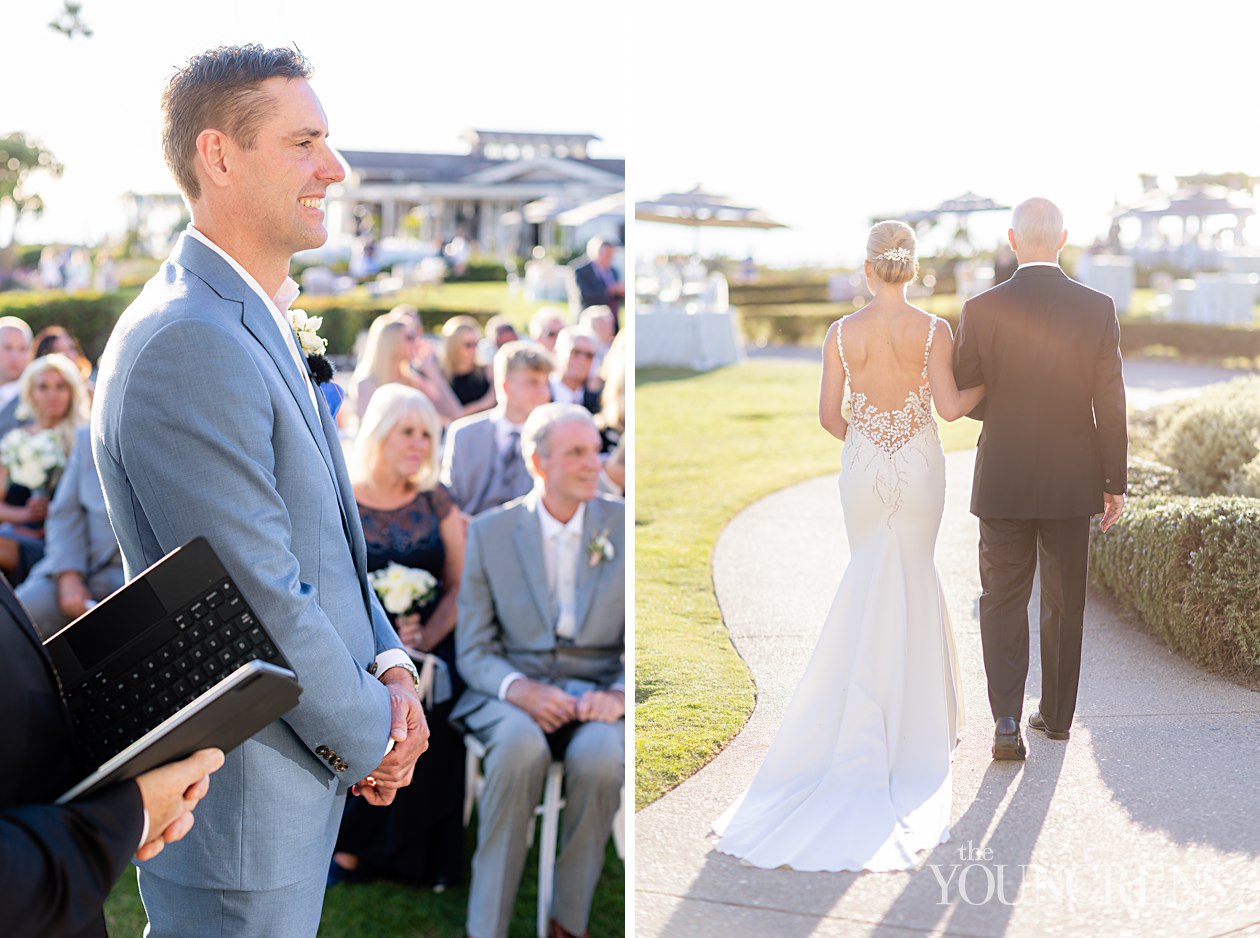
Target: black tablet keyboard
{"x": 165, "y": 669}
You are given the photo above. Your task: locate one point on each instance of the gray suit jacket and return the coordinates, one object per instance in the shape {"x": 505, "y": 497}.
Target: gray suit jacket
{"x": 507, "y": 616}
{"x": 203, "y": 425}
{"x": 469, "y": 456}
{"x": 8, "y": 416}
{"x": 78, "y": 535}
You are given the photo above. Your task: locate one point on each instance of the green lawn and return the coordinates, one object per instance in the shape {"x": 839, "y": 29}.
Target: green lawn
{"x": 394, "y": 910}
{"x": 708, "y": 445}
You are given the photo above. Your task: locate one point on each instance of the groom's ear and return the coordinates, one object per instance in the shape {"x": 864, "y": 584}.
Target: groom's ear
{"x": 212, "y": 157}
{"x": 1063, "y": 240}
{"x": 1010, "y": 236}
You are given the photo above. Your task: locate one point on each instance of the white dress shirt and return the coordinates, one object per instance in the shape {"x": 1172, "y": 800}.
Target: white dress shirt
{"x": 9, "y": 391}
{"x": 1037, "y": 264}
{"x": 288, "y": 292}
{"x": 560, "y": 560}
{"x": 561, "y": 393}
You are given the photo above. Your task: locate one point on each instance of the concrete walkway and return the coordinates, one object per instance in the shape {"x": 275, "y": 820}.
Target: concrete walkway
{"x": 1146, "y": 823}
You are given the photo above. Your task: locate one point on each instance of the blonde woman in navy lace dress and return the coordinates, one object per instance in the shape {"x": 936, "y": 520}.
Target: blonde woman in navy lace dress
{"x": 409, "y": 518}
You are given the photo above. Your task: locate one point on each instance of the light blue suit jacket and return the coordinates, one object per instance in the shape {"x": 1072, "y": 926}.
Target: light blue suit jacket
{"x": 203, "y": 425}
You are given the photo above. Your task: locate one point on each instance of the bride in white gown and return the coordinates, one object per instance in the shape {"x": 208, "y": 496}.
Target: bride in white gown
{"x": 858, "y": 775}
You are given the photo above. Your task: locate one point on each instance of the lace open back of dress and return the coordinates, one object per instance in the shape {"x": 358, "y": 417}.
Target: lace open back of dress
{"x": 890, "y": 430}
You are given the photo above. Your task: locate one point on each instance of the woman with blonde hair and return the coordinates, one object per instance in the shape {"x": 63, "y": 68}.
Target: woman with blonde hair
{"x": 53, "y": 400}
{"x": 470, "y": 380}
{"x": 391, "y": 344}
{"x": 410, "y": 519}
{"x": 858, "y": 775}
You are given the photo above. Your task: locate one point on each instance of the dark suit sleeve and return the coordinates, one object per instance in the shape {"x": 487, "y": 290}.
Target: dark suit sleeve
{"x": 967, "y": 372}
{"x": 1109, "y": 409}
{"x": 59, "y": 863}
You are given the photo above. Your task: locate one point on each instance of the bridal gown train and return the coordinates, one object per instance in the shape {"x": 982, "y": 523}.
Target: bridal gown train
{"x": 858, "y": 775}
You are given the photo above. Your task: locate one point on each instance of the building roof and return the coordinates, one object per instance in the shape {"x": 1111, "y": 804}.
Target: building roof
{"x": 385, "y": 166}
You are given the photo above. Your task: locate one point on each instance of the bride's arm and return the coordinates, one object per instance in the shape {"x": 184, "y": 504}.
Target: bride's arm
{"x": 950, "y": 402}
{"x": 831, "y": 394}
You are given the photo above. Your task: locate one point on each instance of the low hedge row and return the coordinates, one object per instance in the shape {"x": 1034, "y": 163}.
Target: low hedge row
{"x": 91, "y": 316}
{"x": 807, "y": 324}
{"x": 1190, "y": 567}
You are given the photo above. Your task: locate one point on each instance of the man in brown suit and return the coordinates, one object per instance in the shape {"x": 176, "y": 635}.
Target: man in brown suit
{"x": 1052, "y": 454}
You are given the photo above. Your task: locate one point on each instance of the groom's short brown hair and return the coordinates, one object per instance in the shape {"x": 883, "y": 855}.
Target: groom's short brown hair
{"x": 221, "y": 89}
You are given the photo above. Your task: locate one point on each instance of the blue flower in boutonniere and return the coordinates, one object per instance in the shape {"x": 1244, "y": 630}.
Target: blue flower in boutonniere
{"x": 599, "y": 549}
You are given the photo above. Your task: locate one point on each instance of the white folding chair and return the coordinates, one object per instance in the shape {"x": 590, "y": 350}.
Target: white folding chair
{"x": 548, "y": 809}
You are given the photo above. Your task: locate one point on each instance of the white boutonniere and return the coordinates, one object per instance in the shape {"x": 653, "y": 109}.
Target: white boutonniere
{"x": 599, "y": 549}
{"x": 306, "y": 328}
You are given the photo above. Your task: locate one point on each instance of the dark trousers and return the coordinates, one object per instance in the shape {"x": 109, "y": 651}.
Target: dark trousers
{"x": 1010, "y": 550}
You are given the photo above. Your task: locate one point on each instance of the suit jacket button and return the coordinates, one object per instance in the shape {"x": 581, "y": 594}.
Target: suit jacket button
{"x": 321, "y": 750}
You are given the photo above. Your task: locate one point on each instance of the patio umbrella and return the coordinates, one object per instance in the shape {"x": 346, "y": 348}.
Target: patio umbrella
{"x": 961, "y": 207}
{"x": 698, "y": 209}
{"x": 614, "y": 204}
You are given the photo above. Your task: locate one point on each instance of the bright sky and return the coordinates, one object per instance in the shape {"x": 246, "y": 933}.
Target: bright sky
{"x": 392, "y": 75}
{"x": 888, "y": 107}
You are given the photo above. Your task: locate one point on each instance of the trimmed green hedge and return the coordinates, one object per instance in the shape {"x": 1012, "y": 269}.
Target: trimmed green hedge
{"x": 89, "y": 316}
{"x": 1190, "y": 567}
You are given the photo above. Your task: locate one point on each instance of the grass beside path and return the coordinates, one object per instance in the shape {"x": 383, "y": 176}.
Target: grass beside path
{"x": 707, "y": 445}
{"x": 397, "y": 910}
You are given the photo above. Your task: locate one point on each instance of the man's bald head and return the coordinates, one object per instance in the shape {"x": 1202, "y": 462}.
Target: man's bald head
{"x": 1037, "y": 229}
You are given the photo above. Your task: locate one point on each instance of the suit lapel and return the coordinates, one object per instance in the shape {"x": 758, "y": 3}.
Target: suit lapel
{"x": 588, "y": 575}
{"x": 257, "y": 319}
{"x": 527, "y": 539}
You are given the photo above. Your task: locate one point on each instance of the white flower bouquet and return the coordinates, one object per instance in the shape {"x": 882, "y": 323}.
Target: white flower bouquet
{"x": 32, "y": 459}
{"x": 401, "y": 589}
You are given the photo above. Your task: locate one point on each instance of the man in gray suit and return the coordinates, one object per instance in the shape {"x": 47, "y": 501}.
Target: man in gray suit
{"x": 482, "y": 464}
{"x": 541, "y": 643}
{"x": 15, "y": 355}
{"x": 207, "y": 423}
{"x": 81, "y": 563}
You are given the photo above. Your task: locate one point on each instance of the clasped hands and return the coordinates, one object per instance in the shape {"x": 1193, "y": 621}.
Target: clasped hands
{"x": 551, "y": 708}
{"x": 410, "y": 732}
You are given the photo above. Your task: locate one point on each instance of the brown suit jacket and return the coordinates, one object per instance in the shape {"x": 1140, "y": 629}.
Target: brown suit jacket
{"x": 1047, "y": 350}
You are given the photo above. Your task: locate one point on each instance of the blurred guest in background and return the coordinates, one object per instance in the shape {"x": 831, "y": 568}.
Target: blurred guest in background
{"x": 58, "y": 339}
{"x": 426, "y": 367}
{"x": 386, "y": 359}
{"x": 498, "y": 333}
{"x": 545, "y": 326}
{"x": 575, "y": 353}
{"x": 482, "y": 464}
{"x": 82, "y": 563}
{"x": 55, "y": 400}
{"x": 600, "y": 320}
{"x": 409, "y": 519}
{"x": 611, "y": 419}
{"x": 15, "y": 355}
{"x": 468, "y": 378}
{"x": 598, "y": 281}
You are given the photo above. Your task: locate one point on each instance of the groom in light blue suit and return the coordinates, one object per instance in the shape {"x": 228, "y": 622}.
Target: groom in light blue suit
{"x": 207, "y": 423}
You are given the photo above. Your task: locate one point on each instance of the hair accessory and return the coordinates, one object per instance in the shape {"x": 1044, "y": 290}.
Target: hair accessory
{"x": 895, "y": 254}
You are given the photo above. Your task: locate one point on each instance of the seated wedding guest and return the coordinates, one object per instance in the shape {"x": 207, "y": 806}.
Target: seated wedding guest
{"x": 386, "y": 359}
{"x": 540, "y": 642}
{"x": 426, "y": 368}
{"x": 575, "y": 353}
{"x": 600, "y": 320}
{"x": 468, "y": 378}
{"x": 598, "y": 281}
{"x": 409, "y": 519}
{"x": 15, "y": 355}
{"x": 55, "y": 400}
{"x": 498, "y": 333}
{"x": 82, "y": 563}
{"x": 482, "y": 462}
{"x": 611, "y": 419}
{"x": 545, "y": 326}
{"x": 58, "y": 863}
{"x": 58, "y": 339}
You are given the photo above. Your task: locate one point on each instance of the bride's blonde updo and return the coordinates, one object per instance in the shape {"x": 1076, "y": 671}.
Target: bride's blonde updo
{"x": 892, "y": 251}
